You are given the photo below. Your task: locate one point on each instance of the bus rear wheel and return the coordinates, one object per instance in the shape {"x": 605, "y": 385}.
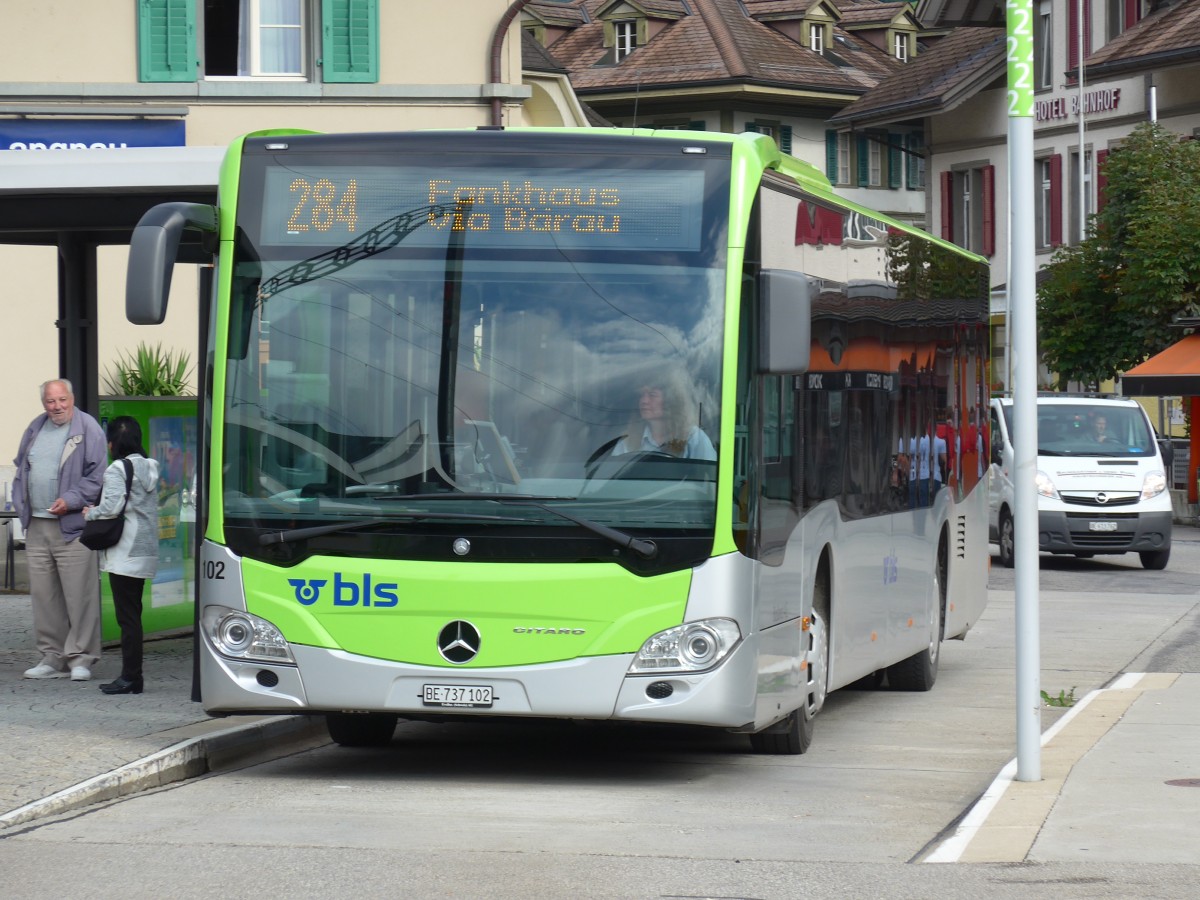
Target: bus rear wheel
{"x": 361, "y": 729}
{"x": 919, "y": 671}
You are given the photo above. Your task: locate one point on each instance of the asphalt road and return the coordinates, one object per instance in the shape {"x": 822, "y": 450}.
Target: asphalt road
{"x": 503, "y": 809}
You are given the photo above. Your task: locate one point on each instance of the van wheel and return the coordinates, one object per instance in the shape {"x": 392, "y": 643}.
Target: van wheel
{"x": 1007, "y": 545}
{"x": 1155, "y": 559}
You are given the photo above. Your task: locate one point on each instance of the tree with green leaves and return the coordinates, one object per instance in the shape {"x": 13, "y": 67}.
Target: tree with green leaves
{"x": 1107, "y": 303}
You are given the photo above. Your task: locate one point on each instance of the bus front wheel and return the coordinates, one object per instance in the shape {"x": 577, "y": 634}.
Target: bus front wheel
{"x": 361, "y": 729}
{"x": 794, "y": 734}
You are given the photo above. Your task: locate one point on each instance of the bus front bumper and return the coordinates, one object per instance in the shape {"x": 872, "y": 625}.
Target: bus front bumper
{"x": 586, "y": 688}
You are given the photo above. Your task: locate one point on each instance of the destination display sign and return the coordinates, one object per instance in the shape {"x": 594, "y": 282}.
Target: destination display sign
{"x": 502, "y": 207}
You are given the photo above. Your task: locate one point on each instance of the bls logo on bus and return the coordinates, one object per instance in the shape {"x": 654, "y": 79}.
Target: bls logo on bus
{"x": 346, "y": 591}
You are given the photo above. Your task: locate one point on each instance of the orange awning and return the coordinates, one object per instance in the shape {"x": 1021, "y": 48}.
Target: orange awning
{"x": 1174, "y": 372}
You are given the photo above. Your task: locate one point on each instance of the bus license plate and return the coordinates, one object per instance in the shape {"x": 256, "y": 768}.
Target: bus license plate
{"x": 1102, "y": 526}
{"x": 468, "y": 696}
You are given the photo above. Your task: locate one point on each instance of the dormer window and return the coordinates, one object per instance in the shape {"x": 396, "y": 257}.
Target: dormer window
{"x": 624, "y": 38}
{"x": 900, "y": 46}
{"x": 816, "y": 37}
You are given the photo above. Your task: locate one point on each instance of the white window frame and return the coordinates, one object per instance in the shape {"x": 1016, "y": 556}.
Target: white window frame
{"x": 874, "y": 163}
{"x": 1071, "y": 232}
{"x": 900, "y": 46}
{"x": 843, "y": 157}
{"x": 624, "y": 38}
{"x": 250, "y": 40}
{"x": 1043, "y": 215}
{"x": 260, "y": 32}
{"x": 816, "y": 37}
{"x": 1043, "y": 46}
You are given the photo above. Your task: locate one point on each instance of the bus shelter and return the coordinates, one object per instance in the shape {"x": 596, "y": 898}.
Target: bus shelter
{"x": 1175, "y": 372}
{"x": 78, "y": 200}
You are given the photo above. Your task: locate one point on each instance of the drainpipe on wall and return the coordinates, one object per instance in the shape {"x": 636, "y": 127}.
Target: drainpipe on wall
{"x": 494, "y": 56}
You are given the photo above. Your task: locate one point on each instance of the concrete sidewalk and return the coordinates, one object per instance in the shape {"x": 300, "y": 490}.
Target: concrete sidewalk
{"x": 1120, "y": 783}
{"x": 65, "y": 744}
{"x": 1120, "y": 771}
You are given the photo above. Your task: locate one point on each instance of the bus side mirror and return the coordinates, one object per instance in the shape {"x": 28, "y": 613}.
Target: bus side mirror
{"x": 784, "y": 322}
{"x": 152, "y": 253}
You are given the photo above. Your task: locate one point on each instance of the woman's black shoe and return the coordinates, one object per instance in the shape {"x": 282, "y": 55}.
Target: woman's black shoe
{"x": 122, "y": 686}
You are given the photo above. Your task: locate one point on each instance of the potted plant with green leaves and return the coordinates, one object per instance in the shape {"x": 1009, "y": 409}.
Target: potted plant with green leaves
{"x": 150, "y": 372}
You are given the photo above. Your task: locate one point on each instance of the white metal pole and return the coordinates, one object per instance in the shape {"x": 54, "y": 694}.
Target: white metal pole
{"x": 1021, "y": 237}
{"x": 1082, "y": 187}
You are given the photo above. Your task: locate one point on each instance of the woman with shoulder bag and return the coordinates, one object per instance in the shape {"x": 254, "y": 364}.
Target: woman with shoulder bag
{"x": 135, "y": 556}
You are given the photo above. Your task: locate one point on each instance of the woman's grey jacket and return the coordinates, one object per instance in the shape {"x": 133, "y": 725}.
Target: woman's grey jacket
{"x": 136, "y": 554}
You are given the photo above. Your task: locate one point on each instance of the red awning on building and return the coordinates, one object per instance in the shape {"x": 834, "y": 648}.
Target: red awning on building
{"x": 1173, "y": 373}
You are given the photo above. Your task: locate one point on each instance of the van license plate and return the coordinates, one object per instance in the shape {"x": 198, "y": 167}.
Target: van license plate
{"x": 458, "y": 696}
{"x": 1102, "y": 526}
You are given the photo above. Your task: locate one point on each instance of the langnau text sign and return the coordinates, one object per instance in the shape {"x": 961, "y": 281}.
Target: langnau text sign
{"x": 94, "y": 134}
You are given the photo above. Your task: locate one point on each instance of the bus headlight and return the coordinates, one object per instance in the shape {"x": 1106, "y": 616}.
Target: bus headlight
{"x": 1155, "y": 484}
{"x": 240, "y": 635}
{"x": 1045, "y": 486}
{"x": 688, "y": 648}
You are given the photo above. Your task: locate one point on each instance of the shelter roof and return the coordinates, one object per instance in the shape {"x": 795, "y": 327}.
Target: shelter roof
{"x": 1173, "y": 372}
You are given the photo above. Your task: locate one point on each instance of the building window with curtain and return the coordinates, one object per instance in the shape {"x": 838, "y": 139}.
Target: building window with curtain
{"x": 255, "y": 39}
{"x": 1048, "y": 194}
{"x": 968, "y": 202}
{"x": 1043, "y": 53}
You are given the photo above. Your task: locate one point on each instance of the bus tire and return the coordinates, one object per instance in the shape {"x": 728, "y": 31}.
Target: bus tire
{"x": 919, "y": 671}
{"x": 361, "y": 729}
{"x": 794, "y": 734}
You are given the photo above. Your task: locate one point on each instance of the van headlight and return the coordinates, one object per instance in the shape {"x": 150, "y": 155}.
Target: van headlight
{"x": 1045, "y": 487}
{"x": 240, "y": 635}
{"x": 1155, "y": 484}
{"x": 693, "y": 647}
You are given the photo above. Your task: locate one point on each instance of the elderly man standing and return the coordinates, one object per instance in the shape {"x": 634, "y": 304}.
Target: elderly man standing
{"x": 60, "y": 470}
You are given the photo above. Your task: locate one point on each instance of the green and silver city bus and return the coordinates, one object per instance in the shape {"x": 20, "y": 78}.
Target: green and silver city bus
{"x": 587, "y": 424}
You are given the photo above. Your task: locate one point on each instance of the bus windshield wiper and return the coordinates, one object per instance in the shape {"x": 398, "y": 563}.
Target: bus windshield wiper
{"x": 300, "y": 534}
{"x": 643, "y": 548}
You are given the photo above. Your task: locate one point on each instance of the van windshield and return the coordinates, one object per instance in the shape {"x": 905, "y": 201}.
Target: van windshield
{"x": 1087, "y": 429}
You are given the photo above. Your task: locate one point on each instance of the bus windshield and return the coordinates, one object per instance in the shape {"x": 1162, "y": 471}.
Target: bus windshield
{"x": 481, "y": 347}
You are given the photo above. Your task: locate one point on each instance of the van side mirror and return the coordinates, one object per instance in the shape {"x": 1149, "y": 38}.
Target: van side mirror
{"x": 784, "y": 321}
{"x": 1167, "y": 449}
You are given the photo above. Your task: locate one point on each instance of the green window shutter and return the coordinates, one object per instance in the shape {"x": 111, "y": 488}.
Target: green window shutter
{"x": 350, "y": 40}
{"x": 864, "y": 162}
{"x": 895, "y": 160}
{"x": 914, "y": 172}
{"x": 831, "y": 156}
{"x": 167, "y": 40}
{"x": 785, "y": 138}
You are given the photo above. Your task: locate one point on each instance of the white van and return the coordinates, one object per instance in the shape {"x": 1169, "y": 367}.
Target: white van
{"x": 1101, "y": 479}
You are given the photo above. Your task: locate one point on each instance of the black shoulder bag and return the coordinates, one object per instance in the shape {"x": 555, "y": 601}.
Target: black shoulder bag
{"x": 100, "y": 534}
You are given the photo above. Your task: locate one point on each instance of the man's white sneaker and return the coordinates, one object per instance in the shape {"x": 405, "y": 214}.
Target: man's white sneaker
{"x": 43, "y": 670}
{"x": 80, "y": 673}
